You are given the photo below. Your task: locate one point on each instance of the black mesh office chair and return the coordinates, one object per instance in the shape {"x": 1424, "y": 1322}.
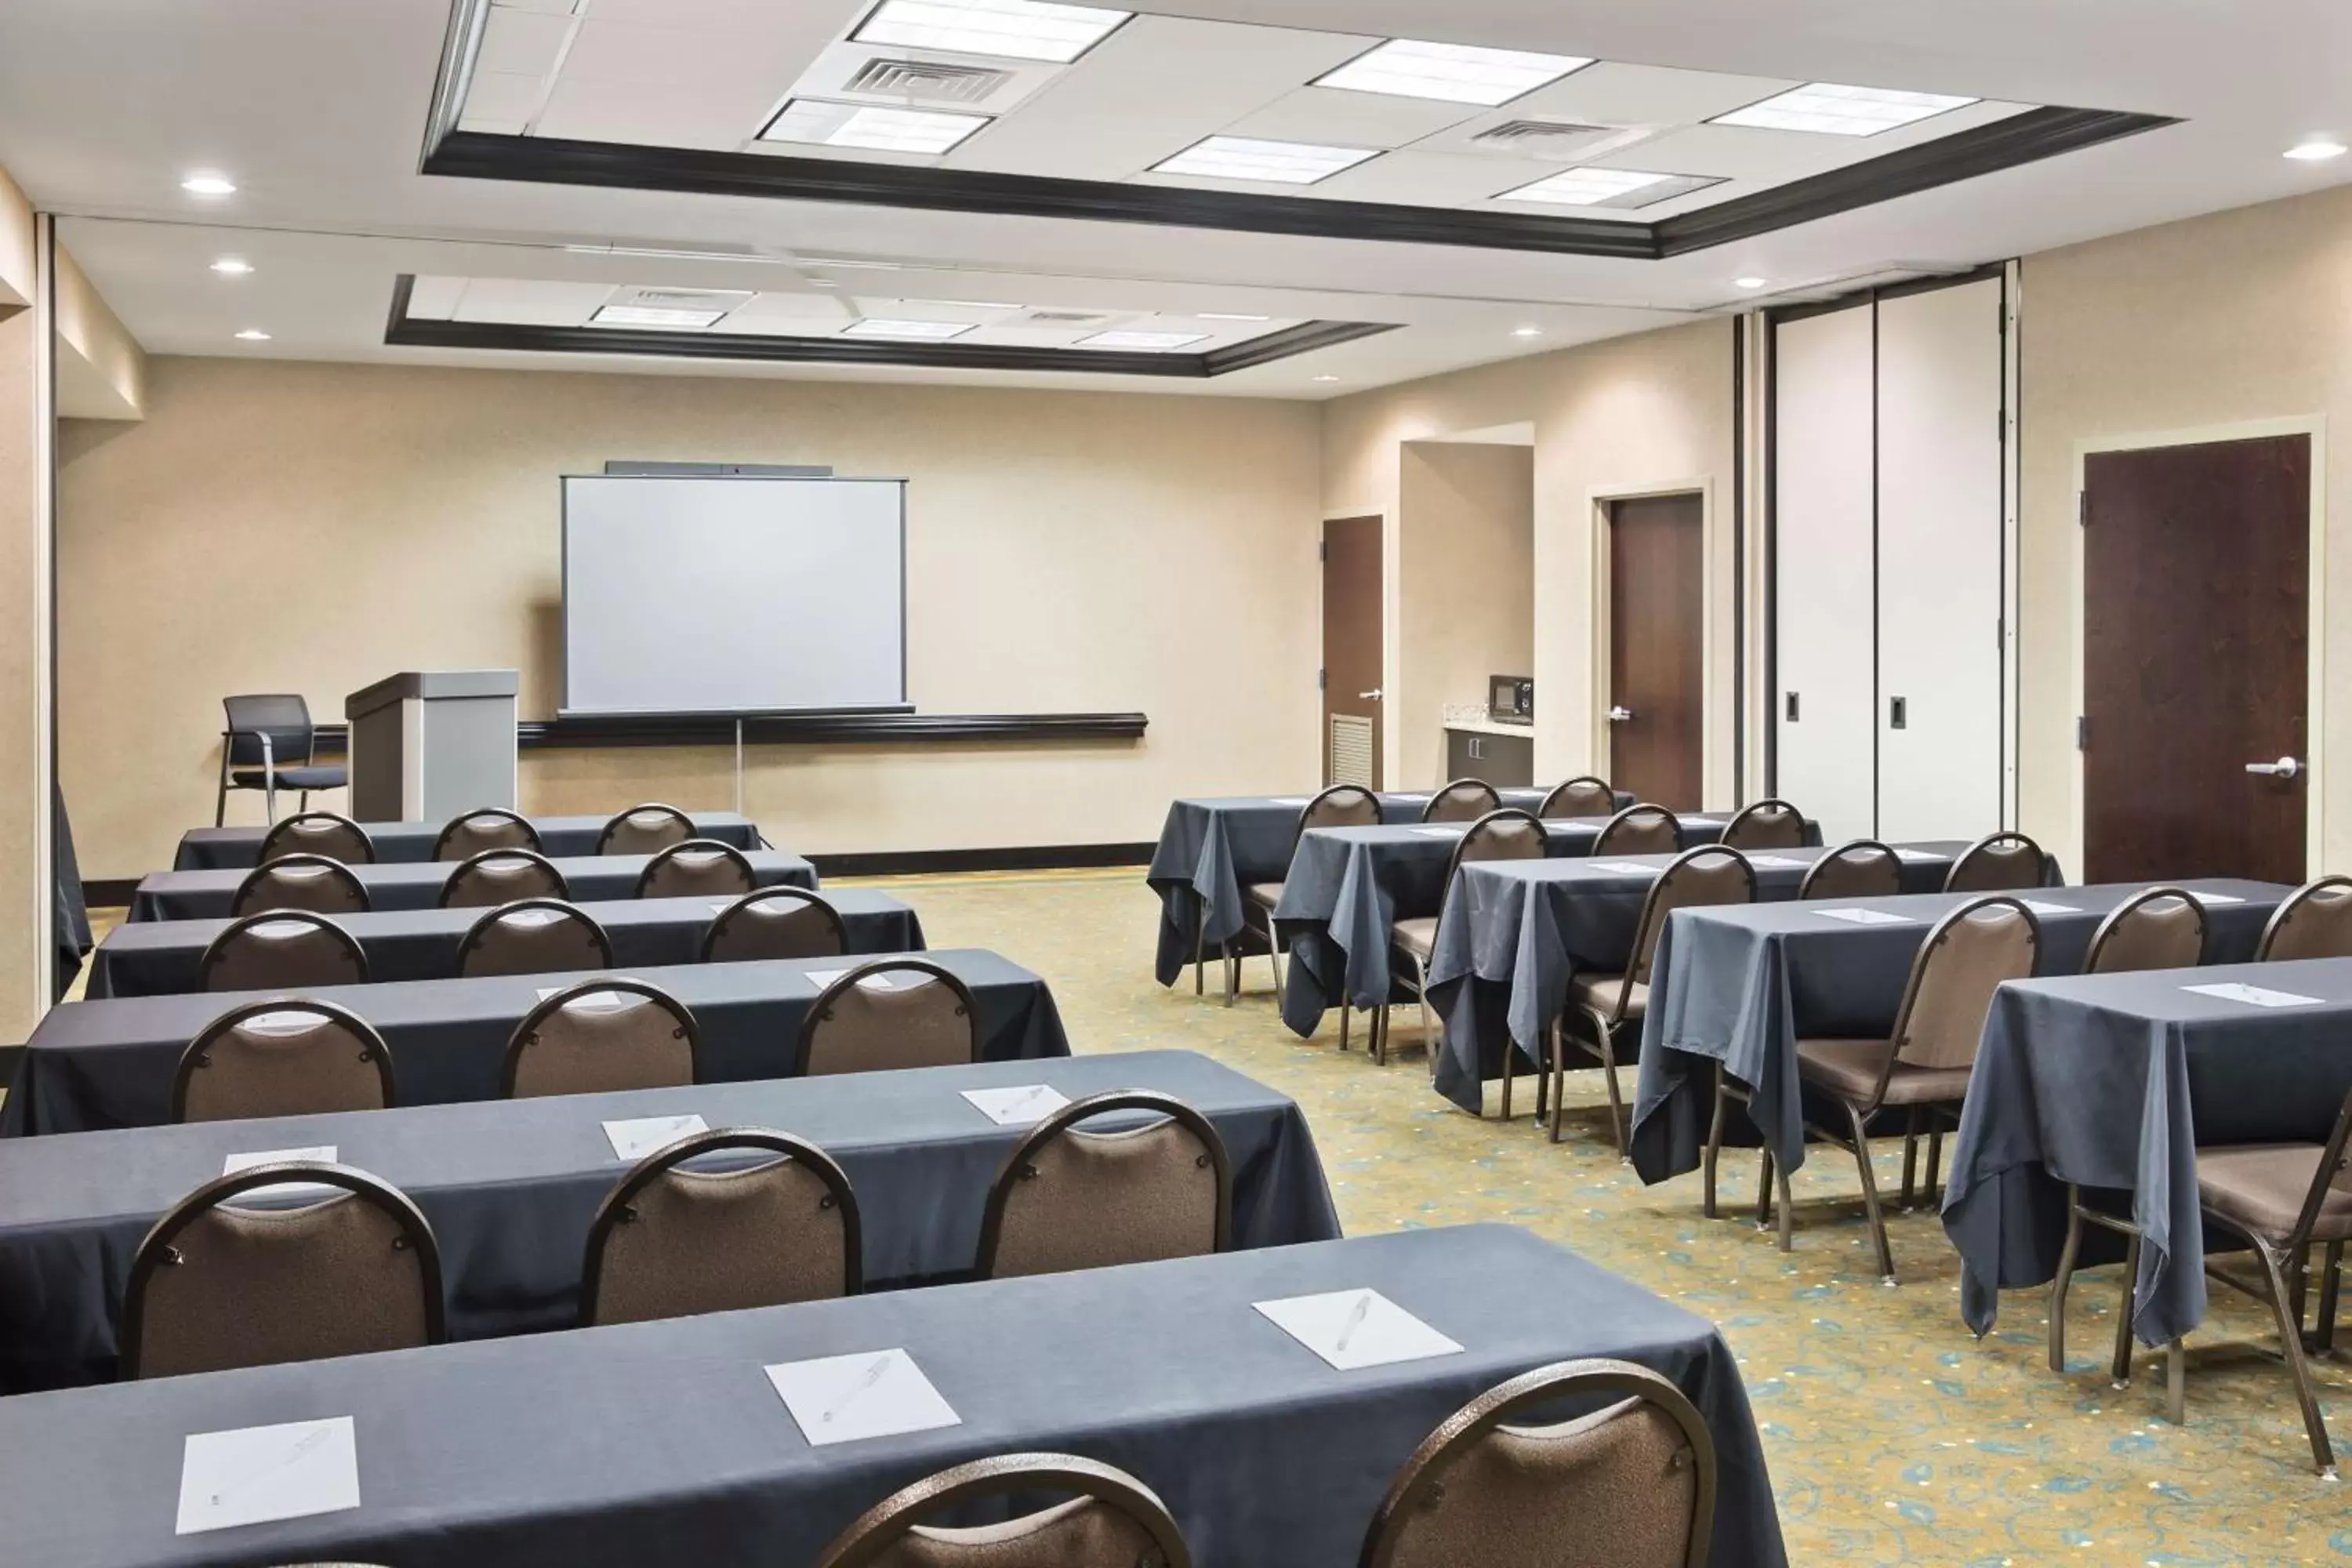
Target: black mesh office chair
{"x": 271, "y": 746}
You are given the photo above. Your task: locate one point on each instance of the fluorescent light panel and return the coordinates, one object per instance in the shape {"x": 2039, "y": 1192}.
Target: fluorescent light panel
{"x": 1829, "y": 109}
{"x": 1274, "y": 163}
{"x": 967, "y": 304}
{"x": 1227, "y": 316}
{"x": 1149, "y": 341}
{"x": 1586, "y": 188}
{"x": 1456, "y": 73}
{"x": 920, "y": 130}
{"x": 1009, "y": 29}
{"x": 926, "y": 332}
{"x": 663, "y": 317}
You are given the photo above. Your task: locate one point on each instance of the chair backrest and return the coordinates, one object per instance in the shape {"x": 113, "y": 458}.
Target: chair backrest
{"x": 2315, "y": 923}
{"x": 1996, "y": 863}
{"x": 1341, "y": 806}
{"x": 1766, "y": 825}
{"x": 2332, "y": 1179}
{"x": 1508, "y": 834}
{"x": 284, "y": 1057}
{"x": 303, "y": 881}
{"x": 642, "y": 830}
{"x": 533, "y": 936}
{"x": 1464, "y": 800}
{"x": 216, "y": 1285}
{"x": 1113, "y": 1521}
{"x": 891, "y": 1013}
{"x": 775, "y": 1223}
{"x": 2159, "y": 928}
{"x": 1862, "y": 869}
{"x": 776, "y": 922}
{"x": 698, "y": 867}
{"x": 1965, "y": 959}
{"x": 486, "y": 879}
{"x": 1631, "y": 1485}
{"x": 1710, "y": 874}
{"x": 284, "y": 717}
{"x": 1640, "y": 830}
{"x": 282, "y": 950}
{"x": 1067, "y": 1198}
{"x": 319, "y": 833}
{"x": 1580, "y": 797}
{"x": 601, "y": 1036}
{"x": 491, "y": 827}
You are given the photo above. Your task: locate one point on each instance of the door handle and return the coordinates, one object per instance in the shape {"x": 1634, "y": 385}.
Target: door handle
{"x": 2284, "y": 768}
{"x": 1621, "y": 715}
{"x": 1371, "y": 696}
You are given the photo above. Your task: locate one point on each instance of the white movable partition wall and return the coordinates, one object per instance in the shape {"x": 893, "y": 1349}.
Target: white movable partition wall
{"x": 1890, "y": 444}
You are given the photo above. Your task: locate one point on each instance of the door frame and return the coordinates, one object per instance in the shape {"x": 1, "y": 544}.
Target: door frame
{"x": 1598, "y": 503}
{"x": 1383, "y": 765}
{"x": 2315, "y": 427}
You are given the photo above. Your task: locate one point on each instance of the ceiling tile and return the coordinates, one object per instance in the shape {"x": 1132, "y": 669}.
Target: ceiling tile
{"x": 433, "y": 298}
{"x": 503, "y": 96}
{"x": 1430, "y": 179}
{"x": 1614, "y": 94}
{"x": 623, "y": 51}
{"x": 793, "y": 306}
{"x": 1350, "y": 118}
{"x": 534, "y": 302}
{"x": 681, "y": 114}
{"x": 522, "y": 43}
{"x": 546, "y": 7}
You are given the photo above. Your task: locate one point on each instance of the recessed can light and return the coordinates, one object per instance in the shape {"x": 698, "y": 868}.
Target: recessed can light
{"x": 253, "y": 335}
{"x": 1750, "y": 282}
{"x": 2316, "y": 150}
{"x": 206, "y": 183}
{"x": 232, "y": 266}
{"x": 1326, "y": 378}
{"x": 1526, "y": 332}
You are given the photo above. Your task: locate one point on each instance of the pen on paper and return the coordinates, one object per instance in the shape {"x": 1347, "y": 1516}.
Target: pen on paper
{"x": 299, "y": 1451}
{"x": 1355, "y": 1320}
{"x": 873, "y": 1375}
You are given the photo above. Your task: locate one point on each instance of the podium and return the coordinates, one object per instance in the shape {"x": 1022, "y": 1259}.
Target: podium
{"x": 426, "y": 745}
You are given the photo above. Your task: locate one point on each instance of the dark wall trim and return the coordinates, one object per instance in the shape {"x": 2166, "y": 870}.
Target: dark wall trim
{"x": 113, "y": 893}
{"x": 405, "y": 331}
{"x": 2021, "y": 139}
{"x": 1041, "y": 858}
{"x": 832, "y": 729}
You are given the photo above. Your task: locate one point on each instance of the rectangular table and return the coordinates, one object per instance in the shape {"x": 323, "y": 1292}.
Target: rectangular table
{"x": 163, "y": 957}
{"x": 2112, "y": 1081}
{"x": 663, "y": 1443}
{"x": 96, "y": 1065}
{"x": 1349, "y": 885}
{"x": 228, "y": 848}
{"x": 1742, "y": 986}
{"x": 511, "y": 1186}
{"x": 1210, "y": 849}
{"x": 417, "y": 884}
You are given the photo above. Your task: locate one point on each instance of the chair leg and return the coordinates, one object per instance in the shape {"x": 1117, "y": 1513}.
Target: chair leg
{"x": 1380, "y": 1034}
{"x": 1869, "y": 1196}
{"x": 2176, "y": 1384}
{"x": 1714, "y": 1150}
{"x": 1609, "y": 1076}
{"x": 2330, "y": 1281}
{"x": 1274, "y": 958}
{"x": 2066, "y": 1278}
{"x": 220, "y": 796}
{"x": 302, "y": 801}
{"x": 1764, "y": 1192}
{"x": 2291, "y": 1341}
{"x": 1910, "y": 1156}
{"x": 1344, "y": 1011}
{"x": 1199, "y": 947}
{"x": 1558, "y": 1076}
{"x": 1934, "y": 1163}
{"x": 1510, "y": 1050}
{"x": 1788, "y": 1211}
{"x": 1230, "y": 963}
{"x": 1421, "y": 991}
{"x": 2122, "y": 1368}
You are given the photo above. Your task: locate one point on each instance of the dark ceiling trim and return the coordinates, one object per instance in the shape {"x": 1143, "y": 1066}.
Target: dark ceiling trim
{"x": 405, "y": 331}
{"x": 786, "y": 729}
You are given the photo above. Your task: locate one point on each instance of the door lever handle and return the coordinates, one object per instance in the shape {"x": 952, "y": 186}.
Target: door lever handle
{"x": 2284, "y": 768}
{"x": 1619, "y": 715}
{"x": 1371, "y": 696}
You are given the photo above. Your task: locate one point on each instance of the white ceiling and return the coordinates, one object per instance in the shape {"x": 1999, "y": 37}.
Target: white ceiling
{"x": 317, "y": 109}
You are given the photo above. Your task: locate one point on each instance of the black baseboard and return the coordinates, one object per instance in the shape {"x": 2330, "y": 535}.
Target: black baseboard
{"x": 113, "y": 893}
{"x": 9, "y": 1056}
{"x": 1036, "y": 857}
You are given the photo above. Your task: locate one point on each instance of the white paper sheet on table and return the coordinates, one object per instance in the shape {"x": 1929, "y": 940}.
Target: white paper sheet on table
{"x": 1624, "y": 868}
{"x": 593, "y": 1000}
{"x": 1287, "y": 800}
{"x": 1017, "y": 1105}
{"x": 1700, "y": 821}
{"x": 1865, "y": 917}
{"x": 290, "y": 1192}
{"x": 846, "y": 1398}
{"x": 1916, "y": 856}
{"x": 2040, "y": 908}
{"x": 2254, "y": 995}
{"x": 1441, "y": 832}
{"x": 2210, "y": 899}
{"x": 639, "y": 1136}
{"x": 1778, "y": 863}
{"x": 824, "y": 977}
{"x": 1352, "y": 1329}
{"x": 257, "y": 1474}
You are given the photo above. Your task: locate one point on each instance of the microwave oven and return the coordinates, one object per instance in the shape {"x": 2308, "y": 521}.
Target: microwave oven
{"x": 1511, "y": 699}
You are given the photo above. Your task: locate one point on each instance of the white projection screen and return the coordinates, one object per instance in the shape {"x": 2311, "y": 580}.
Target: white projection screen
{"x": 710, "y": 595}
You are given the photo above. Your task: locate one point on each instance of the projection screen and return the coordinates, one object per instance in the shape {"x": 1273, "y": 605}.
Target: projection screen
{"x": 733, "y": 594}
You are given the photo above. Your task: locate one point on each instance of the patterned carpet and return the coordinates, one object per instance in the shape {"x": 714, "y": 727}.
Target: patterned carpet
{"x": 1893, "y": 1437}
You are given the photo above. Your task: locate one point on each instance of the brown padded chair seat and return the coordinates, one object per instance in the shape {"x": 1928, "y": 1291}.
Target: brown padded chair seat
{"x": 1851, "y": 1067}
{"x": 1267, "y": 893}
{"x": 2261, "y": 1187}
{"x": 1599, "y": 992}
{"x": 1417, "y": 937}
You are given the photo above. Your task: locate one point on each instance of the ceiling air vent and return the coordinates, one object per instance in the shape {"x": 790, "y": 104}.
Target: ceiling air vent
{"x": 1542, "y": 138}
{"x": 928, "y": 81}
{"x": 1063, "y": 317}
{"x": 688, "y": 299}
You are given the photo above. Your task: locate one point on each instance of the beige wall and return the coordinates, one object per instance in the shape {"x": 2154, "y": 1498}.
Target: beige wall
{"x": 1467, "y": 547}
{"x": 102, "y": 370}
{"x": 274, "y": 526}
{"x": 2234, "y": 320}
{"x": 24, "y": 897}
{"x": 1631, "y": 415}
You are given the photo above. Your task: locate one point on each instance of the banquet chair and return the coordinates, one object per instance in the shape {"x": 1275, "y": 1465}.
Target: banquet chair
{"x": 1113, "y": 1521}
{"x": 671, "y": 1241}
{"x": 218, "y": 1285}
{"x": 319, "y": 833}
{"x": 642, "y": 830}
{"x": 1464, "y": 800}
{"x": 891, "y": 1013}
{"x": 283, "y": 1056}
{"x": 491, "y": 827}
{"x": 1341, "y": 806}
{"x": 1611, "y": 1005}
{"x": 1507, "y": 834}
{"x": 282, "y": 950}
{"x": 699, "y": 867}
{"x": 2315, "y": 922}
{"x": 271, "y": 745}
{"x": 533, "y": 936}
{"x": 776, "y": 922}
{"x": 1631, "y": 1485}
{"x": 1581, "y": 796}
{"x": 1998, "y": 863}
{"x": 1639, "y": 830}
{"x": 2159, "y": 928}
{"x": 1067, "y": 1198}
{"x": 602, "y": 1036}
{"x": 1766, "y": 825}
{"x": 1864, "y": 869}
{"x": 489, "y": 878}
{"x": 305, "y": 881}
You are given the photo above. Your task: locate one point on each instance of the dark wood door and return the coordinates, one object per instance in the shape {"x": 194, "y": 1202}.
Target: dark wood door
{"x": 2195, "y": 629}
{"x": 1656, "y": 643}
{"x": 1352, "y": 696}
